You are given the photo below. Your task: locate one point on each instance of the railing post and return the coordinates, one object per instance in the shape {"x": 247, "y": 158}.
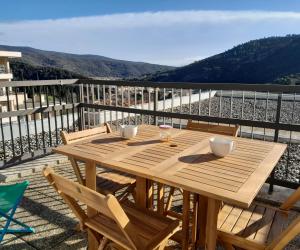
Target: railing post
{"x": 82, "y": 111}
{"x": 155, "y": 102}
{"x": 276, "y": 137}
{"x": 80, "y": 98}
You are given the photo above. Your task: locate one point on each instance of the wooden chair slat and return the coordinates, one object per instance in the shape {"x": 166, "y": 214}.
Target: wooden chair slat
{"x": 83, "y": 194}
{"x": 243, "y": 221}
{"x": 69, "y": 138}
{"x": 253, "y": 224}
{"x": 232, "y": 218}
{"x": 265, "y": 225}
{"x": 259, "y": 227}
{"x": 213, "y": 128}
{"x": 279, "y": 221}
{"x": 288, "y": 235}
{"x": 109, "y": 229}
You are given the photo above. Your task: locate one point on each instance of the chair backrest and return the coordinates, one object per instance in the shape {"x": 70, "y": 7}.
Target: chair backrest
{"x": 212, "y": 128}
{"x": 10, "y": 195}
{"x": 108, "y": 205}
{"x": 69, "y": 138}
{"x": 293, "y": 229}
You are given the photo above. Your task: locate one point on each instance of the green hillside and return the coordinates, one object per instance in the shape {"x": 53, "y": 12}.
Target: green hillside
{"x": 258, "y": 61}
{"x": 25, "y": 71}
{"x": 85, "y": 65}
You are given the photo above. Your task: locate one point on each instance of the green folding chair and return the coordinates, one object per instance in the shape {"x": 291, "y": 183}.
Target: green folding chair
{"x": 10, "y": 198}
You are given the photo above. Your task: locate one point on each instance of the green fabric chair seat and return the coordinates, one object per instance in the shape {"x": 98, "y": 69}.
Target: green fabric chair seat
{"x": 9, "y": 195}
{"x": 10, "y": 198}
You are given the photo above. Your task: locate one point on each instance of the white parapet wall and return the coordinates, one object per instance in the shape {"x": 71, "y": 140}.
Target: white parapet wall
{"x": 31, "y": 126}
{"x": 107, "y": 116}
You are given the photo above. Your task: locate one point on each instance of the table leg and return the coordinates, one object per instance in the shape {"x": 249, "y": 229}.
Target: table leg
{"x": 213, "y": 207}
{"x": 201, "y": 220}
{"x": 185, "y": 219}
{"x": 195, "y": 220}
{"x": 90, "y": 177}
{"x": 141, "y": 192}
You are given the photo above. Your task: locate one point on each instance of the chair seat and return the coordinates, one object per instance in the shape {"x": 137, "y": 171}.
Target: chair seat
{"x": 150, "y": 226}
{"x": 256, "y": 226}
{"x": 109, "y": 181}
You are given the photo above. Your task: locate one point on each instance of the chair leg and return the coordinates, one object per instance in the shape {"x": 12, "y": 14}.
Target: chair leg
{"x": 9, "y": 218}
{"x": 4, "y": 230}
{"x": 25, "y": 229}
{"x": 19, "y": 230}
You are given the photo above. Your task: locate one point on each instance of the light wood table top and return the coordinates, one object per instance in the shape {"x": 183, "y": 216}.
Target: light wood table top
{"x": 189, "y": 165}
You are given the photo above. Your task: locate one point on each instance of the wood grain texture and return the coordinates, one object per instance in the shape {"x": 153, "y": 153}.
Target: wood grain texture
{"x": 124, "y": 224}
{"x": 213, "y": 128}
{"x": 189, "y": 165}
{"x": 187, "y": 162}
{"x": 258, "y": 227}
{"x": 108, "y": 182}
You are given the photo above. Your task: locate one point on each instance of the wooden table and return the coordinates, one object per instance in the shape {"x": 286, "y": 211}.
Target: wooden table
{"x": 185, "y": 162}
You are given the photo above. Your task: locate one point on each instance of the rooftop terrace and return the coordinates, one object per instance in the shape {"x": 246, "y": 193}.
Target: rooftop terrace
{"x": 263, "y": 112}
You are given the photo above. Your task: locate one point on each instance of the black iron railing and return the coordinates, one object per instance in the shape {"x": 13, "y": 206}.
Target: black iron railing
{"x": 34, "y": 114}
{"x": 266, "y": 112}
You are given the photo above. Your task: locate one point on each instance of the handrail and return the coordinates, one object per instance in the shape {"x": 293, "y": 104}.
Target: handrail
{"x": 274, "y": 88}
{"x": 38, "y": 83}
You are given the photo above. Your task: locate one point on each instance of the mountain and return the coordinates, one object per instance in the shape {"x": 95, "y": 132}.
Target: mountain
{"x": 85, "y": 65}
{"x": 259, "y": 61}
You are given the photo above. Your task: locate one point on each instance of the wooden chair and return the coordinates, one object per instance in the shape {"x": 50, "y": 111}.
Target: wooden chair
{"x": 108, "y": 181}
{"x": 124, "y": 224}
{"x": 203, "y": 127}
{"x": 260, "y": 226}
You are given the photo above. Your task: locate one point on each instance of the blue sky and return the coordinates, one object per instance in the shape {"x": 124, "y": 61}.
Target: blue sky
{"x": 44, "y": 9}
{"x": 167, "y": 31}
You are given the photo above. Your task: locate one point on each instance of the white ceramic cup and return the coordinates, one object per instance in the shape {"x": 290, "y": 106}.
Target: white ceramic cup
{"x": 221, "y": 146}
{"x": 128, "y": 131}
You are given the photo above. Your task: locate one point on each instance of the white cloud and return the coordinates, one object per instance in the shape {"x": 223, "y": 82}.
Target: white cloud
{"x": 160, "y": 18}
{"x": 175, "y": 37}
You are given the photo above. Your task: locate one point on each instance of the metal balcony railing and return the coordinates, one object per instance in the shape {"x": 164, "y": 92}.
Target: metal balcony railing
{"x": 265, "y": 112}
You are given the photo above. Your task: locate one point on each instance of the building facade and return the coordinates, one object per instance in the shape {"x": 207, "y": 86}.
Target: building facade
{"x": 7, "y": 98}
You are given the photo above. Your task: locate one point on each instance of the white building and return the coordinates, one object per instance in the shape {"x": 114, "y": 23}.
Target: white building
{"x": 6, "y": 76}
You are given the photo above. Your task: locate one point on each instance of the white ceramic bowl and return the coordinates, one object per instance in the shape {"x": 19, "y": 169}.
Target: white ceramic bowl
{"x": 128, "y": 131}
{"x": 221, "y": 146}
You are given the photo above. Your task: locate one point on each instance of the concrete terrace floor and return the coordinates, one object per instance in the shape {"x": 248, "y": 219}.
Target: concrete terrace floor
{"x": 43, "y": 209}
